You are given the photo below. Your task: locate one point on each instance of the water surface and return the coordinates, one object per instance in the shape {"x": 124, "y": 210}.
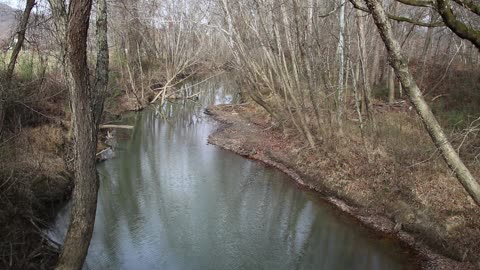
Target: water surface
{"x": 171, "y": 201}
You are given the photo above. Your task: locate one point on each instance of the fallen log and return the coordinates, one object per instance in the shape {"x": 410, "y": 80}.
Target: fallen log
{"x": 116, "y": 126}
{"x": 103, "y": 151}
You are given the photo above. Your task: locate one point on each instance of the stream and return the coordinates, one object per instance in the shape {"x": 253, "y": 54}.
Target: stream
{"x": 169, "y": 200}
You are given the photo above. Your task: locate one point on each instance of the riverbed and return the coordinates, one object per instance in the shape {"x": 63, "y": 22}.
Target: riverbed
{"x": 169, "y": 200}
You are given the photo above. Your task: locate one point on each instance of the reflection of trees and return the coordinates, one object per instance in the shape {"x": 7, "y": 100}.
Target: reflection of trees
{"x": 184, "y": 113}
{"x": 278, "y": 223}
{"x": 188, "y": 203}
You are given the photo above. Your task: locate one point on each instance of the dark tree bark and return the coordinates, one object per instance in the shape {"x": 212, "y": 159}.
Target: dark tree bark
{"x": 22, "y": 29}
{"x": 399, "y": 64}
{"x": 87, "y": 105}
{"x": 101, "y": 72}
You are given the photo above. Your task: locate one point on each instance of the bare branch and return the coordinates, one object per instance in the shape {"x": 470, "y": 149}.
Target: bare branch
{"x": 359, "y": 6}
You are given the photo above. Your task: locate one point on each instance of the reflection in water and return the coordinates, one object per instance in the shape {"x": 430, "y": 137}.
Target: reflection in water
{"x": 170, "y": 201}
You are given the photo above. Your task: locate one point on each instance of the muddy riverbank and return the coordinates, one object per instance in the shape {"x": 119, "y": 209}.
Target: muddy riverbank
{"x": 336, "y": 174}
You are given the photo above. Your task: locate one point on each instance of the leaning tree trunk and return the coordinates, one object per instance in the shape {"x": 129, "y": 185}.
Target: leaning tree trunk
{"x": 22, "y": 29}
{"x": 400, "y": 66}
{"x": 87, "y": 104}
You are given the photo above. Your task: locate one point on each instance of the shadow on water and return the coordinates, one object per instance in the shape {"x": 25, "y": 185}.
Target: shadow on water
{"x": 170, "y": 201}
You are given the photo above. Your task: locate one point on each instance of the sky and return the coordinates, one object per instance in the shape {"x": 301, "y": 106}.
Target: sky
{"x": 13, "y": 3}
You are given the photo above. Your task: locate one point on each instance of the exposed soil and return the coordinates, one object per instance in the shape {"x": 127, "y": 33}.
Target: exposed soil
{"x": 426, "y": 209}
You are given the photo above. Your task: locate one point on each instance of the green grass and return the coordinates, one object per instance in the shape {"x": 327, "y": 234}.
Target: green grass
{"x": 29, "y": 64}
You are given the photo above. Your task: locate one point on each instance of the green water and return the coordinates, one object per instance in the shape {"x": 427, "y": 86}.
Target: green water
{"x": 168, "y": 200}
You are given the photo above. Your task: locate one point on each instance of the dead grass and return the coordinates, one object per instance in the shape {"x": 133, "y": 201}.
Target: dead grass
{"x": 34, "y": 176}
{"x": 33, "y": 180}
{"x": 39, "y": 149}
{"x": 23, "y": 244}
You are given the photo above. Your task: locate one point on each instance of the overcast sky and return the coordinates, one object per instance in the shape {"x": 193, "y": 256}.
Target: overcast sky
{"x": 13, "y": 3}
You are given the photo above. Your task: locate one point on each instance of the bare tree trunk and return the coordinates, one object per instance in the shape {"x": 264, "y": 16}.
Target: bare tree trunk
{"x": 140, "y": 67}
{"x": 103, "y": 60}
{"x": 366, "y": 86}
{"x": 400, "y": 66}
{"x": 22, "y": 29}
{"x": 355, "y": 76}
{"x": 426, "y": 47}
{"x": 391, "y": 85}
{"x": 375, "y": 63}
{"x": 87, "y": 104}
{"x": 400, "y": 90}
{"x": 341, "y": 67}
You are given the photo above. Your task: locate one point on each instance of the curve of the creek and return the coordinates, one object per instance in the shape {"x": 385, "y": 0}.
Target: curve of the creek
{"x": 168, "y": 200}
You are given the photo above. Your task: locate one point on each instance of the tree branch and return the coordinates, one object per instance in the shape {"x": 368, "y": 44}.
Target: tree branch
{"x": 332, "y": 11}
{"x": 357, "y": 5}
{"x": 417, "y": 3}
{"x": 458, "y": 27}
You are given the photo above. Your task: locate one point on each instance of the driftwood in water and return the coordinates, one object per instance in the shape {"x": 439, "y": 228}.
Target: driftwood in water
{"x": 116, "y": 126}
{"x": 103, "y": 151}
{"x": 194, "y": 96}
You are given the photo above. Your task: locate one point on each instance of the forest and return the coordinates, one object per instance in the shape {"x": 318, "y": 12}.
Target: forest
{"x": 372, "y": 104}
